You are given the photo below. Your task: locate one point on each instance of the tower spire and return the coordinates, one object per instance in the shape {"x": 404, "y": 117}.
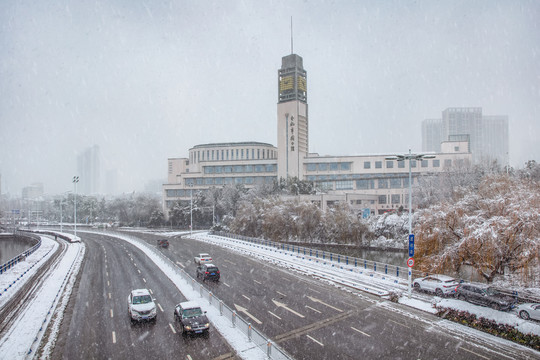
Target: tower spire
{"x": 292, "y": 52}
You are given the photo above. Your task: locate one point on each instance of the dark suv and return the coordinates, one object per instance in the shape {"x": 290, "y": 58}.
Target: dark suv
{"x": 189, "y": 316}
{"x": 485, "y": 296}
{"x": 208, "y": 272}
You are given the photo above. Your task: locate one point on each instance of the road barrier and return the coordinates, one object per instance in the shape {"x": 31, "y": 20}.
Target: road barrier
{"x": 21, "y": 257}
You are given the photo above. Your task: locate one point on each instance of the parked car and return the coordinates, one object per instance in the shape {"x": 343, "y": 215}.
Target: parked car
{"x": 163, "y": 243}
{"x": 202, "y": 258}
{"x": 208, "y": 272}
{"x": 529, "y": 311}
{"x": 191, "y": 319}
{"x": 485, "y": 295}
{"x": 141, "y": 305}
{"x": 441, "y": 285}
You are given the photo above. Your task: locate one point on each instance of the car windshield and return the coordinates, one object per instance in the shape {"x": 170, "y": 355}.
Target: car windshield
{"x": 188, "y": 313}
{"x": 450, "y": 281}
{"x": 212, "y": 269}
{"x": 144, "y": 299}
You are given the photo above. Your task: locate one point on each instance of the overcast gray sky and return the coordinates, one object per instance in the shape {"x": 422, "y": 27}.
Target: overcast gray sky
{"x": 147, "y": 80}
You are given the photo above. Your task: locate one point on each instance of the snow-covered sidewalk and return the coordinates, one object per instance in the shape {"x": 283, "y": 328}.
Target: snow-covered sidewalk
{"x": 27, "y": 330}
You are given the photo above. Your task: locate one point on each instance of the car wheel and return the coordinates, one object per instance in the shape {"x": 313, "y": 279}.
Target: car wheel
{"x": 439, "y": 293}
{"x": 416, "y": 286}
{"x": 496, "y": 306}
{"x": 524, "y": 315}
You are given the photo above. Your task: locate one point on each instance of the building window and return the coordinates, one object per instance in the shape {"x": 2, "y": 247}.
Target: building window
{"x": 270, "y": 168}
{"x": 229, "y": 181}
{"x": 242, "y": 153}
{"x": 413, "y": 163}
{"x": 424, "y": 163}
{"x": 365, "y": 184}
{"x": 199, "y": 181}
{"x": 238, "y": 180}
{"x": 383, "y": 183}
{"x": 456, "y": 148}
{"x": 395, "y": 198}
{"x": 238, "y": 169}
{"x": 378, "y": 164}
{"x": 209, "y": 181}
{"x": 208, "y": 169}
{"x": 219, "y": 181}
{"x": 344, "y": 185}
{"x": 345, "y": 166}
{"x": 311, "y": 167}
{"x": 236, "y": 154}
{"x": 367, "y": 165}
{"x": 323, "y": 167}
{"x": 259, "y": 168}
{"x": 170, "y": 193}
{"x": 447, "y": 162}
{"x": 382, "y": 199}
{"x": 170, "y": 167}
{"x": 258, "y": 153}
{"x": 249, "y": 180}
{"x": 228, "y": 169}
{"x": 401, "y": 164}
{"x": 389, "y": 164}
{"x": 436, "y": 163}
{"x": 395, "y": 183}
{"x": 218, "y": 169}
{"x": 212, "y": 154}
{"x": 333, "y": 166}
{"x": 248, "y": 168}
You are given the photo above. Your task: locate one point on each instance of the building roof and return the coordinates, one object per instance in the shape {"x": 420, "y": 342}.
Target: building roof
{"x": 232, "y": 144}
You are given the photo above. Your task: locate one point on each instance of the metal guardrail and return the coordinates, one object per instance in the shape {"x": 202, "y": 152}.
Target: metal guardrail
{"x": 325, "y": 256}
{"x": 272, "y": 350}
{"x": 8, "y": 265}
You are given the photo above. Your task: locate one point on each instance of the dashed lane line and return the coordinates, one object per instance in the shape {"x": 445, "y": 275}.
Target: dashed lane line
{"x": 143, "y": 279}
{"x": 110, "y": 295}
{"x": 318, "y": 342}
{"x": 160, "y": 308}
{"x": 395, "y": 322}
{"x": 151, "y": 292}
{"x": 271, "y": 313}
{"x": 224, "y": 283}
{"x": 182, "y": 265}
{"x": 258, "y": 282}
{"x": 309, "y": 307}
{"x": 472, "y": 352}
{"x": 172, "y": 328}
{"x": 280, "y": 293}
{"x": 246, "y": 297}
{"x": 112, "y": 314}
{"x": 360, "y": 331}
{"x": 114, "y": 337}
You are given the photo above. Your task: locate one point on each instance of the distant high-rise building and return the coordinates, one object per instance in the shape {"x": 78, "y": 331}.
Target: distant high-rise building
{"x": 111, "y": 182}
{"x": 33, "y": 191}
{"x": 88, "y": 170}
{"x": 487, "y": 135}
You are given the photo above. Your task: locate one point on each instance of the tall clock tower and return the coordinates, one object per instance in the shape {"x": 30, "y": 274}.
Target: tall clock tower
{"x": 292, "y": 117}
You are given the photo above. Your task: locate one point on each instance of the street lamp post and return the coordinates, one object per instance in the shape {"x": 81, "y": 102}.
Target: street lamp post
{"x": 191, "y": 211}
{"x": 410, "y": 157}
{"x": 75, "y": 181}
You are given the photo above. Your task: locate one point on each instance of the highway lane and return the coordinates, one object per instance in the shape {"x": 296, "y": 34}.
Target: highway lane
{"x": 314, "y": 320}
{"x": 98, "y": 326}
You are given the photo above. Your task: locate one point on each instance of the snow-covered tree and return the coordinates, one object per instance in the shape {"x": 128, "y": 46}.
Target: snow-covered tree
{"x": 493, "y": 229}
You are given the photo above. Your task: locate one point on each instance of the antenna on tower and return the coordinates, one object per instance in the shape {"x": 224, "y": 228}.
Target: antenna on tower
{"x": 292, "y": 52}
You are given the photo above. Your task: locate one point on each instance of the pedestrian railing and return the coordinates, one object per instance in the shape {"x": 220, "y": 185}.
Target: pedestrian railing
{"x": 21, "y": 257}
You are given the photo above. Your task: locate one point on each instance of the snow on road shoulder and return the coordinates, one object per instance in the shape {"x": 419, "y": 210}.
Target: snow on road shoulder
{"x": 13, "y": 279}
{"x": 29, "y": 327}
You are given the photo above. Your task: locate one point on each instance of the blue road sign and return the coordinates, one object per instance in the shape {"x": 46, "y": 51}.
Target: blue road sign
{"x": 411, "y": 245}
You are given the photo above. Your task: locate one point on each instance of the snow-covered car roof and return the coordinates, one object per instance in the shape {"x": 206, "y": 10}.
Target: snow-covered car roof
{"x": 442, "y": 277}
{"x": 139, "y": 292}
{"x": 189, "y": 305}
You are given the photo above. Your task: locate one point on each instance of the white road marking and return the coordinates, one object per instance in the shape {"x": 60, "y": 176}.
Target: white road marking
{"x": 282, "y": 294}
{"x": 172, "y": 328}
{"x": 244, "y": 310}
{"x": 183, "y": 267}
{"x": 112, "y": 315}
{"x": 151, "y": 292}
{"x": 286, "y": 308}
{"x": 160, "y": 308}
{"x": 108, "y": 283}
{"x": 144, "y": 279}
{"x": 399, "y": 323}
{"x": 258, "y": 282}
{"x": 360, "y": 331}
{"x": 309, "y": 307}
{"x": 107, "y": 273}
{"x": 246, "y": 297}
{"x": 238, "y": 272}
{"x": 109, "y": 295}
{"x": 318, "y": 342}
{"x": 114, "y": 337}
{"x": 229, "y": 261}
{"x": 271, "y": 313}
{"x": 286, "y": 279}
{"x": 462, "y": 348}
{"x": 224, "y": 283}
{"x": 139, "y": 271}
{"x": 325, "y": 304}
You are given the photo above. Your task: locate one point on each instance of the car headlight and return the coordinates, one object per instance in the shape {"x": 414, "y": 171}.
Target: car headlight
{"x": 206, "y": 325}
{"x": 187, "y": 327}
{"x": 133, "y": 311}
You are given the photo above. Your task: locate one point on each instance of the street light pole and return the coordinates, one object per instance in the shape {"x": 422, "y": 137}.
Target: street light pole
{"x": 410, "y": 157}
{"x": 191, "y": 211}
{"x": 75, "y": 181}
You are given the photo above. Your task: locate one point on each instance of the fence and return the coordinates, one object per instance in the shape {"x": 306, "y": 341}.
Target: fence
{"x": 339, "y": 260}
{"x": 272, "y": 350}
{"x": 8, "y": 265}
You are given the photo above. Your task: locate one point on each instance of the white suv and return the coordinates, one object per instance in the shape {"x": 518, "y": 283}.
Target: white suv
{"x": 141, "y": 305}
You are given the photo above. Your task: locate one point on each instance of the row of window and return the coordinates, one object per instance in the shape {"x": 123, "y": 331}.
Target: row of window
{"x": 333, "y": 166}
{"x": 365, "y": 184}
{"x": 393, "y": 199}
{"x": 270, "y": 168}
{"x": 248, "y": 180}
{"x": 401, "y": 164}
{"x": 231, "y": 154}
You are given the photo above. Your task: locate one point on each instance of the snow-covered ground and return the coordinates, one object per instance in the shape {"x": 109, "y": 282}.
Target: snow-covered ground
{"x": 28, "y": 329}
